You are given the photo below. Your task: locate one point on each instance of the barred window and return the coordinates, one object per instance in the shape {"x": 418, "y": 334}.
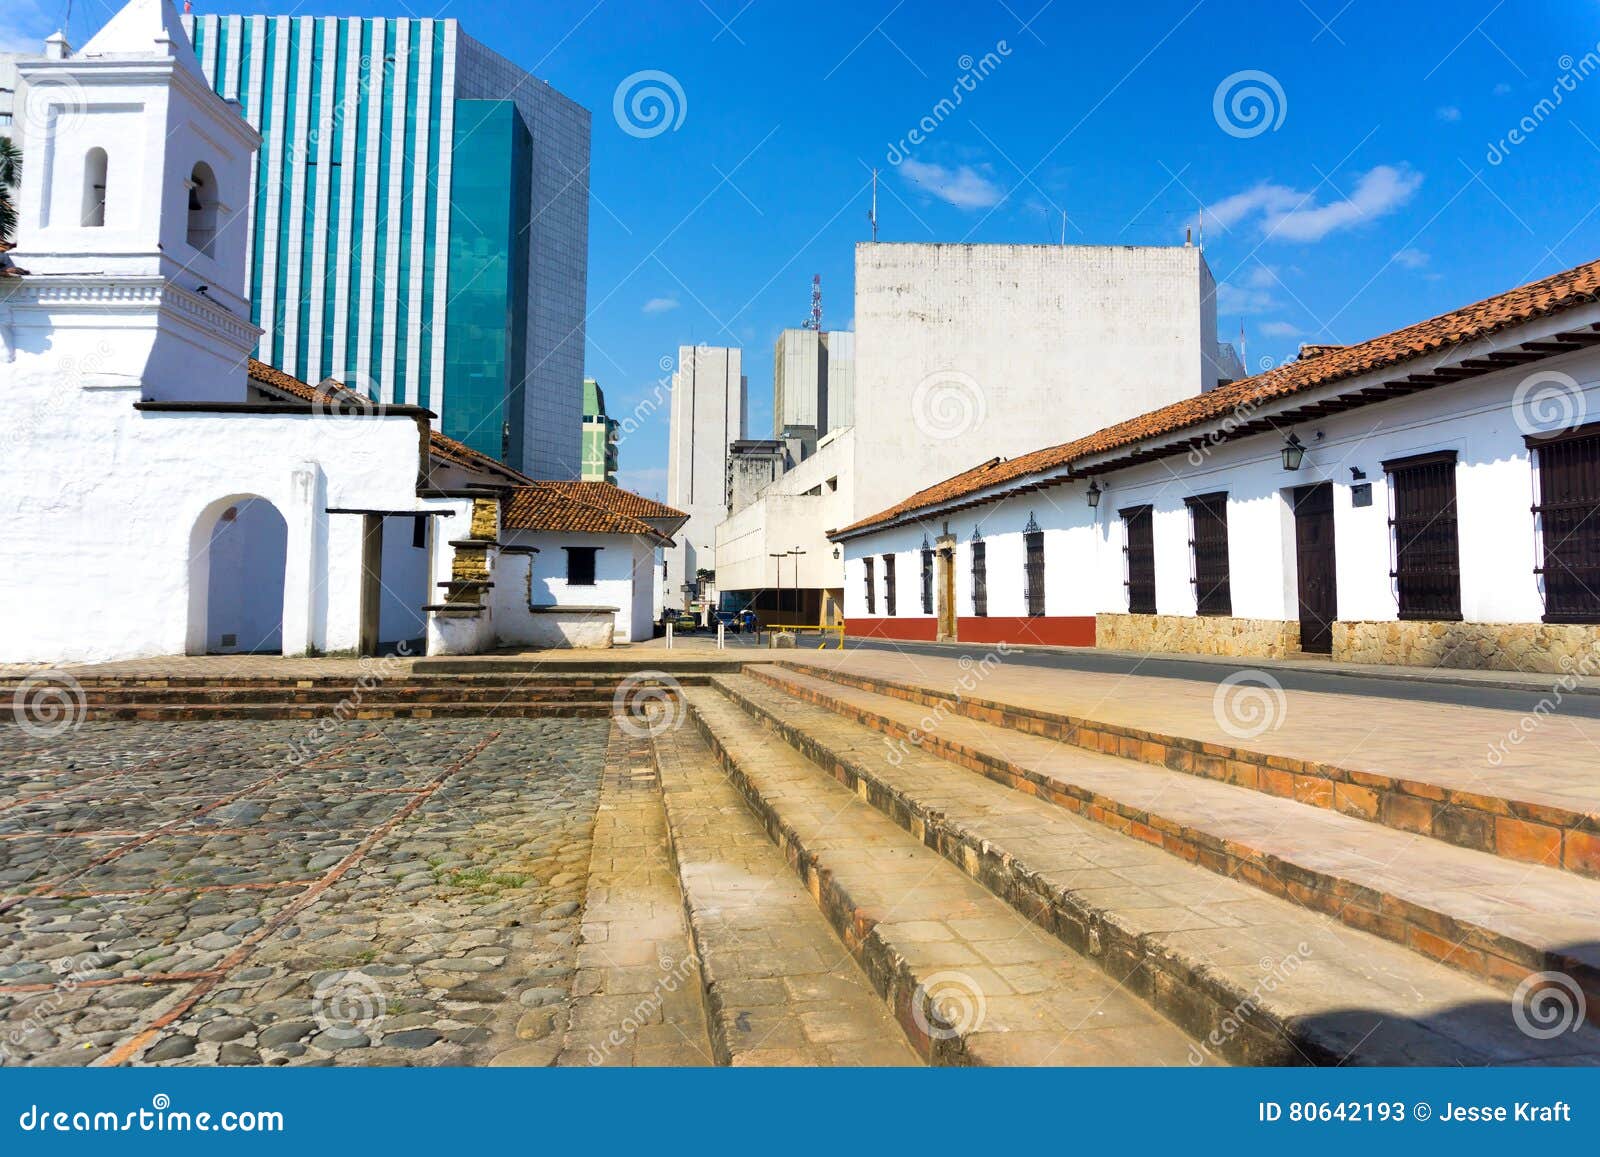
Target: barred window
{"x": 1427, "y": 564}
{"x": 888, "y": 584}
{"x": 1208, "y": 543}
{"x": 927, "y": 579}
{"x": 1568, "y": 509}
{"x": 1139, "y": 553}
{"x": 1033, "y": 542}
{"x": 980, "y": 577}
{"x": 872, "y": 590}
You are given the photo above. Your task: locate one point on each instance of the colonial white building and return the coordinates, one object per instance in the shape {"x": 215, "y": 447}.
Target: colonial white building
{"x": 164, "y": 494}
{"x": 1429, "y": 496}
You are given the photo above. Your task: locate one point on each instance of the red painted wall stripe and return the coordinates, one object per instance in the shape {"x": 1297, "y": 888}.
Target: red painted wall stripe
{"x": 1050, "y": 631}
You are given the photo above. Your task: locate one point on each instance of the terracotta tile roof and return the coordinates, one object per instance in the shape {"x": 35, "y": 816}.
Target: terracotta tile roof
{"x": 585, "y": 508}
{"x": 440, "y": 446}
{"x": 1577, "y": 286}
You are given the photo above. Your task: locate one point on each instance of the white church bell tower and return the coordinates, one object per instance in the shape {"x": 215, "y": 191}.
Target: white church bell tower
{"x": 134, "y": 200}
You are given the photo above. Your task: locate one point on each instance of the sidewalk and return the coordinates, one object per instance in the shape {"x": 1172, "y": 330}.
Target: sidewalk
{"x": 1549, "y": 759}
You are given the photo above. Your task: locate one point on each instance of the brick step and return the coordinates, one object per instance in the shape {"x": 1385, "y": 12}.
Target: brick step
{"x": 779, "y": 987}
{"x": 192, "y": 713}
{"x": 1557, "y": 832}
{"x": 969, "y": 980}
{"x": 1198, "y": 943}
{"x": 332, "y": 696}
{"x": 345, "y": 685}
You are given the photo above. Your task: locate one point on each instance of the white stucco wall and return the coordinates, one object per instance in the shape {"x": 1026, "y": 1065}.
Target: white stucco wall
{"x": 784, "y": 517}
{"x": 1084, "y": 549}
{"x": 964, "y": 352}
{"x": 623, "y": 579}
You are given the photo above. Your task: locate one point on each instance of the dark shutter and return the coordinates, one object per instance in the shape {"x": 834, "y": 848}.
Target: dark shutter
{"x": 888, "y": 584}
{"x": 1427, "y": 561}
{"x": 980, "y": 577}
{"x": 872, "y": 593}
{"x": 927, "y": 580}
{"x": 580, "y": 565}
{"x": 1033, "y": 540}
{"x": 1568, "y": 510}
{"x": 1140, "y": 555}
{"x": 1208, "y": 529}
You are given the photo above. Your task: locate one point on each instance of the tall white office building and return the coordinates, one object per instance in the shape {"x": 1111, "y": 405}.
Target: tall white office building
{"x": 708, "y": 412}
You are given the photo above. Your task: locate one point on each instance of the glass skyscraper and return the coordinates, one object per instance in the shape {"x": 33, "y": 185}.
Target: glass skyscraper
{"x": 419, "y": 222}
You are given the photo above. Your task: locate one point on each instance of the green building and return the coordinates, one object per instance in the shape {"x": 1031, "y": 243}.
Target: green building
{"x": 599, "y": 436}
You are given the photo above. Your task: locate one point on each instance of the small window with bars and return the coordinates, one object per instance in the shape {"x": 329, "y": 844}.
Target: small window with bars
{"x": 980, "y": 577}
{"x": 927, "y": 578}
{"x": 1033, "y": 566}
{"x": 872, "y": 589}
{"x": 1208, "y": 546}
{"x": 1568, "y": 509}
{"x": 888, "y": 584}
{"x": 1139, "y": 555}
{"x": 1427, "y": 561}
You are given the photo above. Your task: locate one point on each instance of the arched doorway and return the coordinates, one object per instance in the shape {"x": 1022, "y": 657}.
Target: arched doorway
{"x": 237, "y": 553}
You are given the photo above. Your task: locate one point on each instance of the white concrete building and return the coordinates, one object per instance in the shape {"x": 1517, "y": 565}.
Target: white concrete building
{"x": 708, "y": 413}
{"x": 1429, "y": 496}
{"x": 964, "y": 352}
{"x": 813, "y": 384}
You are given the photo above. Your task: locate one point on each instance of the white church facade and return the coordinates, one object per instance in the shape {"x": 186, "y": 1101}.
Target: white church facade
{"x": 1431, "y": 496}
{"x": 163, "y": 493}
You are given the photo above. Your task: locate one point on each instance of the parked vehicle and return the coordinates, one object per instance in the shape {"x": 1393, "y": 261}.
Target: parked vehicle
{"x": 731, "y": 620}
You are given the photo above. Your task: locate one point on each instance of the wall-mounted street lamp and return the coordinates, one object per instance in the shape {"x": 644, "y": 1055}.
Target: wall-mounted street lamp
{"x": 1093, "y": 494}
{"x": 1294, "y": 453}
{"x": 836, "y": 552}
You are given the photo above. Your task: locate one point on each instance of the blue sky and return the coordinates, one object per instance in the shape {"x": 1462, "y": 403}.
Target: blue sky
{"x": 1374, "y": 182}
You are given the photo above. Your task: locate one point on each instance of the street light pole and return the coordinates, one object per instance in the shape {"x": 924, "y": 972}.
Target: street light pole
{"x": 797, "y": 552}
{"x": 779, "y": 555}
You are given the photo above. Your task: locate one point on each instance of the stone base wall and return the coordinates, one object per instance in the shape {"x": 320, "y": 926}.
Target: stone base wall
{"x": 1549, "y": 648}
{"x": 1198, "y": 635}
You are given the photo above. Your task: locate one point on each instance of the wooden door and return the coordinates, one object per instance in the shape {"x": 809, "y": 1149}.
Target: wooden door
{"x": 1319, "y": 594}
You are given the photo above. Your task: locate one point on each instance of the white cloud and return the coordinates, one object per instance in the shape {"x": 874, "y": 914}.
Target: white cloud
{"x": 1448, "y": 112}
{"x": 661, "y": 305}
{"x": 1283, "y": 212}
{"x": 1280, "y": 329}
{"x": 1411, "y": 258}
{"x": 963, "y": 186}
{"x": 1502, "y": 89}
{"x": 1248, "y": 291}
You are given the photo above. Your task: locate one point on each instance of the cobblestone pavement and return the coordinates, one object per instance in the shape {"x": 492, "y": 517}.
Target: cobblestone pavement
{"x": 185, "y": 893}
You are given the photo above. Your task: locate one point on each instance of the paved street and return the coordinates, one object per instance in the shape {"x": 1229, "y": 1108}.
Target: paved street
{"x": 189, "y": 894}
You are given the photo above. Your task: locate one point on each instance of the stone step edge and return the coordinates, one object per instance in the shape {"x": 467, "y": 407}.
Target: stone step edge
{"x": 718, "y": 1016}
{"x": 106, "y": 683}
{"x": 1481, "y": 952}
{"x": 1098, "y": 931}
{"x": 889, "y": 973}
{"x": 246, "y": 696}
{"x": 1513, "y": 829}
{"x": 283, "y": 711}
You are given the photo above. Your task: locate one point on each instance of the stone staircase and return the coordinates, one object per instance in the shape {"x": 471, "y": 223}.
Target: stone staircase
{"x": 572, "y": 692}
{"x": 1014, "y": 898}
